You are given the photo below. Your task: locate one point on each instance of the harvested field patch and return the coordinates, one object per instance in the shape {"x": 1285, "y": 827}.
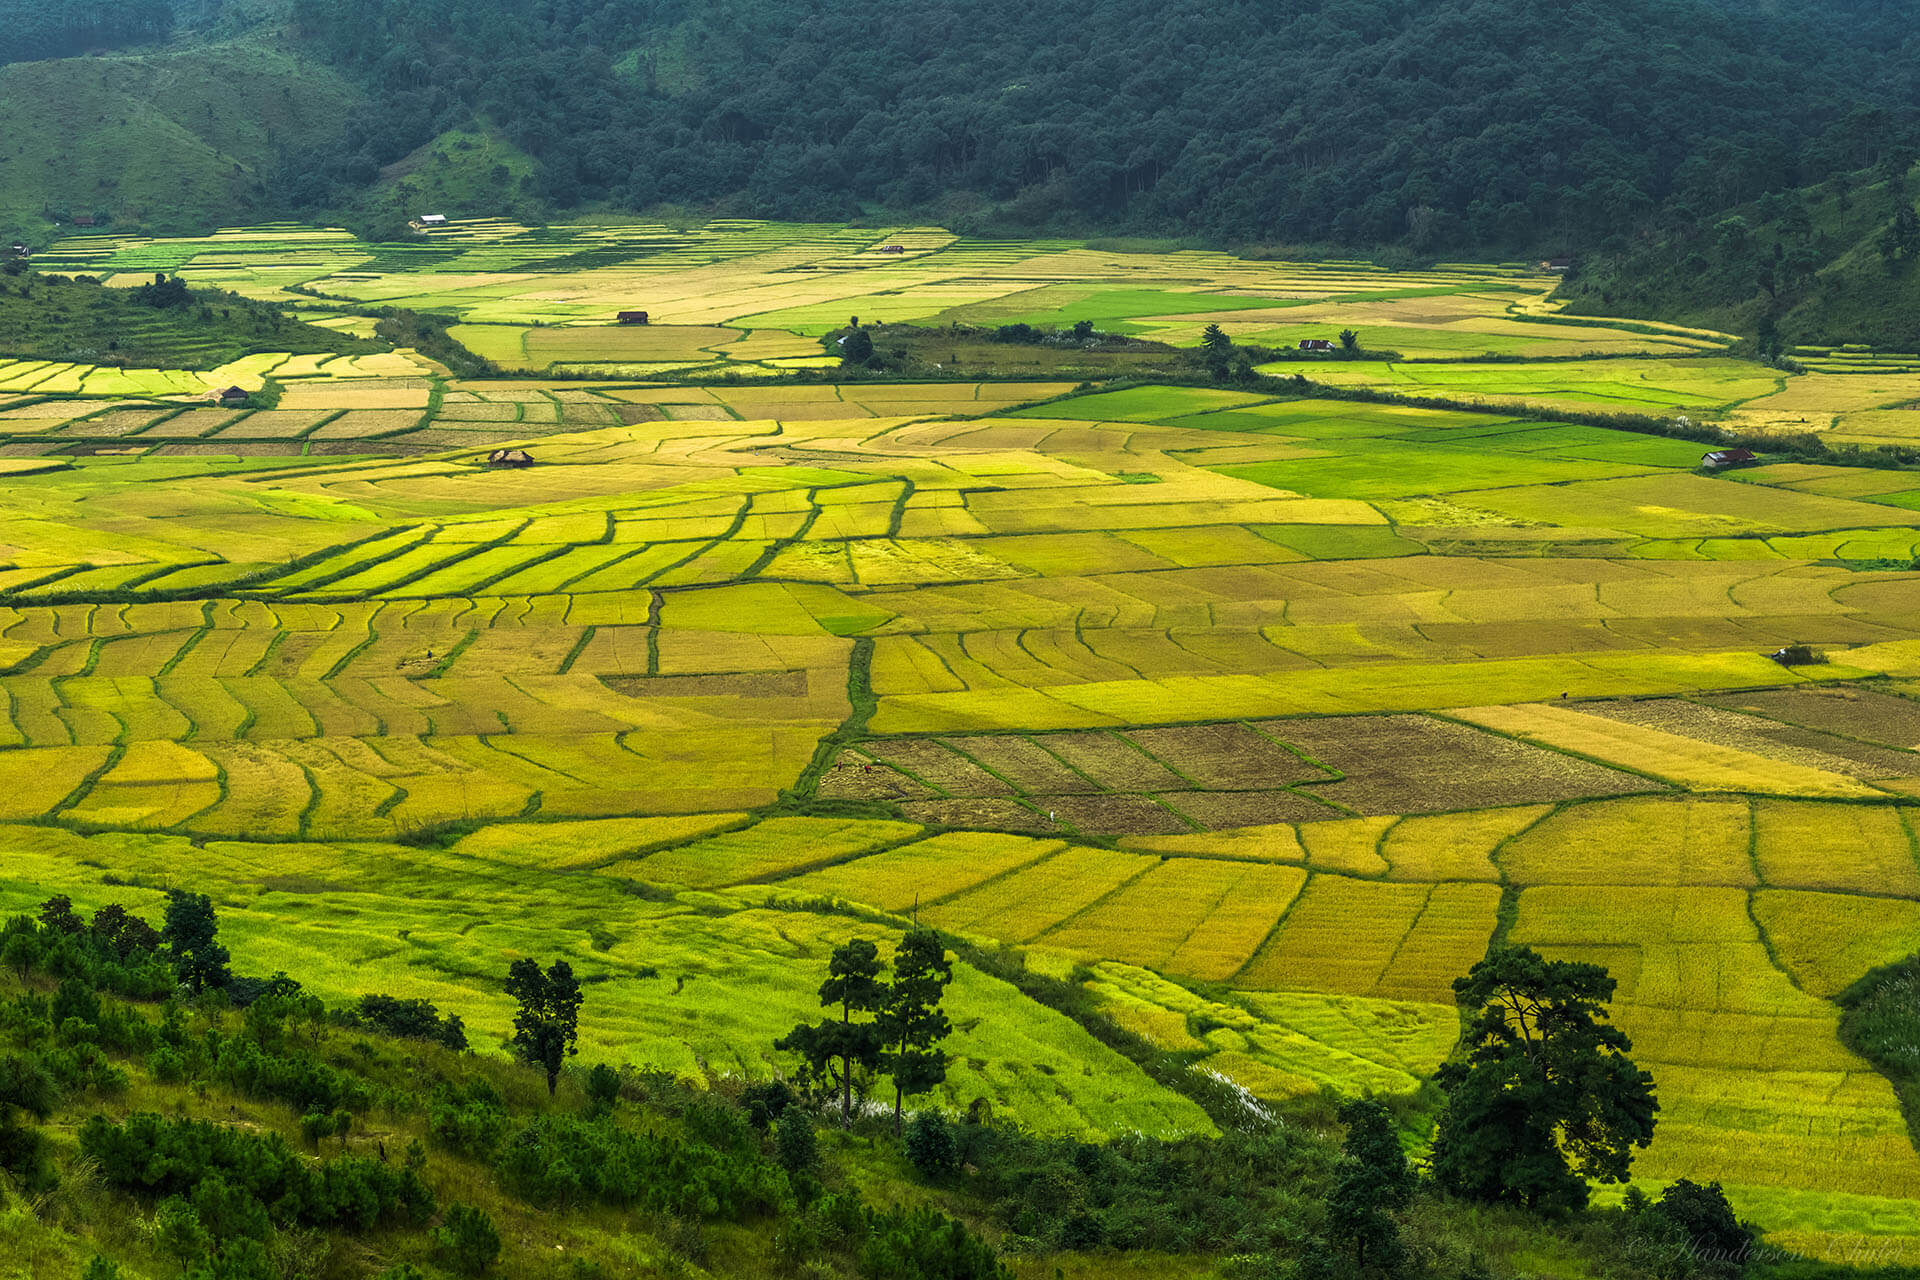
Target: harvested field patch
{"x": 1789, "y": 744}
{"x": 985, "y": 815}
{"x": 1223, "y": 810}
{"x": 1419, "y": 764}
{"x": 1226, "y": 756}
{"x": 1024, "y": 762}
{"x": 939, "y": 767}
{"x": 1854, "y": 713}
{"x": 1111, "y": 814}
{"x": 1111, "y": 762}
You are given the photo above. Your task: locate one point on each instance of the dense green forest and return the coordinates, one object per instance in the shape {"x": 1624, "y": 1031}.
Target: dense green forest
{"x": 33, "y": 29}
{"x": 1441, "y": 126}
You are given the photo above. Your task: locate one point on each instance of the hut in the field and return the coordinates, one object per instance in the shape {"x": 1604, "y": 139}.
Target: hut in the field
{"x": 433, "y": 219}
{"x": 1721, "y": 459}
{"x": 893, "y": 248}
{"x": 235, "y": 395}
{"x": 632, "y": 317}
{"x": 1316, "y": 344}
{"x": 509, "y": 458}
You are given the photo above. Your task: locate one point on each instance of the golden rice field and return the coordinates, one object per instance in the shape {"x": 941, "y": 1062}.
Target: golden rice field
{"x": 1260, "y": 715}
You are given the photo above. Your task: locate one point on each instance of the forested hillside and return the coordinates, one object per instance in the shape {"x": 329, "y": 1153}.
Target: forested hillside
{"x": 32, "y": 29}
{"x": 1626, "y": 133}
{"x": 1467, "y": 124}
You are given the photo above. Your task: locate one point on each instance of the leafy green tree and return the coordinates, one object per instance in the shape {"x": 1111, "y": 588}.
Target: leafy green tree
{"x": 1349, "y": 341}
{"x": 1215, "y": 340}
{"x": 853, "y": 985}
{"x": 546, "y": 1028}
{"x": 1373, "y": 1184}
{"x": 190, "y": 934}
{"x": 1900, "y": 242}
{"x": 857, "y": 349}
{"x": 912, "y": 1022}
{"x": 1690, "y": 1232}
{"x": 1545, "y": 1096}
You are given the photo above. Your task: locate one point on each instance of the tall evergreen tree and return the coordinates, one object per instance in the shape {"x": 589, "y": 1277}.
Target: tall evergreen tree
{"x": 1545, "y": 1096}
{"x": 546, "y": 1028}
{"x": 853, "y": 1040}
{"x": 1374, "y": 1183}
{"x": 912, "y": 1022}
{"x": 190, "y": 935}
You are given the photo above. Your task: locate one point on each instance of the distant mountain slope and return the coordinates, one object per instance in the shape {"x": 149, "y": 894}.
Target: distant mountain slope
{"x": 1413, "y": 129}
{"x": 174, "y": 139}
{"x": 1819, "y": 265}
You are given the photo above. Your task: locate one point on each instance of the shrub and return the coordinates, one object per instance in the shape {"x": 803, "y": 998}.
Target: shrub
{"x": 471, "y": 1121}
{"x": 924, "y": 1244}
{"x": 603, "y": 1086}
{"x": 931, "y": 1145}
{"x": 795, "y": 1143}
{"x": 766, "y": 1102}
{"x": 567, "y": 1160}
{"x": 408, "y": 1020}
{"x": 467, "y": 1241}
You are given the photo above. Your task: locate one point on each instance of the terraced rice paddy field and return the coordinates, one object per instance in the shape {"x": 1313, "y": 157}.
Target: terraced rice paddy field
{"x": 1262, "y": 715}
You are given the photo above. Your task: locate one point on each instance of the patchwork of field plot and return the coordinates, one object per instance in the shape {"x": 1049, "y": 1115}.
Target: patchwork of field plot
{"x": 753, "y": 296}
{"x": 1262, "y": 715}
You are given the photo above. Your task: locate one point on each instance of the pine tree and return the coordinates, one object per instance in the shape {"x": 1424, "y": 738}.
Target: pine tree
{"x": 912, "y": 1022}
{"x": 1374, "y": 1183}
{"x": 546, "y": 1028}
{"x": 198, "y": 959}
{"x": 853, "y": 984}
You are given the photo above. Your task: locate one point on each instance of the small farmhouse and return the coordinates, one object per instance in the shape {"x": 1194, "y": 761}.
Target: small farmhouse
{"x": 234, "y": 395}
{"x": 83, "y": 220}
{"x": 1316, "y": 344}
{"x": 632, "y": 317}
{"x": 509, "y": 458}
{"x": 433, "y": 219}
{"x": 1721, "y": 459}
{"x": 1559, "y": 265}
{"x": 893, "y": 248}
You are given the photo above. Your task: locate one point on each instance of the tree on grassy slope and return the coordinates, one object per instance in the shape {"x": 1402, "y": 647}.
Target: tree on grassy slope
{"x": 546, "y": 1028}
{"x": 1374, "y": 1184}
{"x": 912, "y": 1023}
{"x": 1545, "y": 1096}
{"x": 854, "y": 985}
{"x": 190, "y": 933}
{"x": 25, "y": 1089}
